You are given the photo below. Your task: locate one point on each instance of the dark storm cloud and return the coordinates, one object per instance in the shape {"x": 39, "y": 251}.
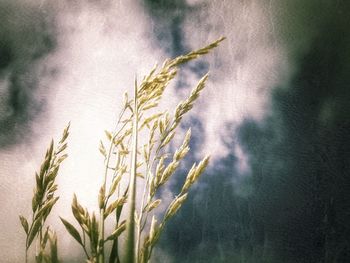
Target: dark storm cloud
{"x": 167, "y": 23}
{"x": 215, "y": 221}
{"x": 168, "y": 19}
{"x": 26, "y": 37}
{"x": 299, "y": 155}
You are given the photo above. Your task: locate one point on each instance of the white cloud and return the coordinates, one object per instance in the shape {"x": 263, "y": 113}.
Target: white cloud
{"x": 100, "y": 49}
{"x": 243, "y": 70}
{"x": 98, "y": 55}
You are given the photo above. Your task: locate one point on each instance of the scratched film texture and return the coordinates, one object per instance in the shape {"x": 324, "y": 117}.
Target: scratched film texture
{"x": 274, "y": 117}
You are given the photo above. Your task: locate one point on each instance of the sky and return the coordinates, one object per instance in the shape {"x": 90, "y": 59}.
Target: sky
{"x": 273, "y": 117}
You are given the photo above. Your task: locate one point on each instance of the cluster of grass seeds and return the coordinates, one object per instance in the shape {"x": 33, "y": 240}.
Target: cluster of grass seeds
{"x": 145, "y": 162}
{"x": 42, "y": 203}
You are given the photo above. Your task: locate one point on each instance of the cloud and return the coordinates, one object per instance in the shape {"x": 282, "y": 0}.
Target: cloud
{"x": 99, "y": 47}
{"x": 26, "y": 39}
{"x": 242, "y": 70}
{"x": 300, "y": 189}
{"x": 292, "y": 59}
{"x": 254, "y": 117}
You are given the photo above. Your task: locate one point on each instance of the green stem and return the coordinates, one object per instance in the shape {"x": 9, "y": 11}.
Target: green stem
{"x": 114, "y": 255}
{"x": 141, "y": 223}
{"x": 84, "y": 243}
{"x": 100, "y": 251}
{"x": 130, "y": 240}
{"x": 100, "y": 245}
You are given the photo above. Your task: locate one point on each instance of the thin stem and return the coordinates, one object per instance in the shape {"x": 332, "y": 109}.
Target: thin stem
{"x": 84, "y": 242}
{"x": 140, "y": 223}
{"x": 41, "y": 236}
{"x": 100, "y": 251}
{"x": 150, "y": 166}
{"x": 130, "y": 241}
{"x": 108, "y": 159}
{"x": 114, "y": 256}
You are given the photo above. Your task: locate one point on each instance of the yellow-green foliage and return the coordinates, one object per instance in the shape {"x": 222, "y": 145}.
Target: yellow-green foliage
{"x": 147, "y": 165}
{"x": 43, "y": 200}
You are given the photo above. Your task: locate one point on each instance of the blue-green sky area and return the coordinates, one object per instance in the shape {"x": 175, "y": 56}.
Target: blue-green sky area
{"x": 274, "y": 117}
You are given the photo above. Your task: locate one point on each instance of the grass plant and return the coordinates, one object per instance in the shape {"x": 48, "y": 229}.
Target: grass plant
{"x": 145, "y": 162}
{"x": 42, "y": 203}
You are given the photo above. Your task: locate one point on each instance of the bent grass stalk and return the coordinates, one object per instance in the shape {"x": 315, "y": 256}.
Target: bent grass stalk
{"x": 150, "y": 164}
{"x": 42, "y": 203}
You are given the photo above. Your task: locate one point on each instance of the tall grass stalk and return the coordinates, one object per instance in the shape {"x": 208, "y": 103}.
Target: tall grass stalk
{"x": 147, "y": 162}
{"x": 130, "y": 239}
{"x": 43, "y": 201}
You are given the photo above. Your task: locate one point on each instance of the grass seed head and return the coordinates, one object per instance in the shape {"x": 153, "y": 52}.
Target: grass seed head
{"x": 175, "y": 206}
